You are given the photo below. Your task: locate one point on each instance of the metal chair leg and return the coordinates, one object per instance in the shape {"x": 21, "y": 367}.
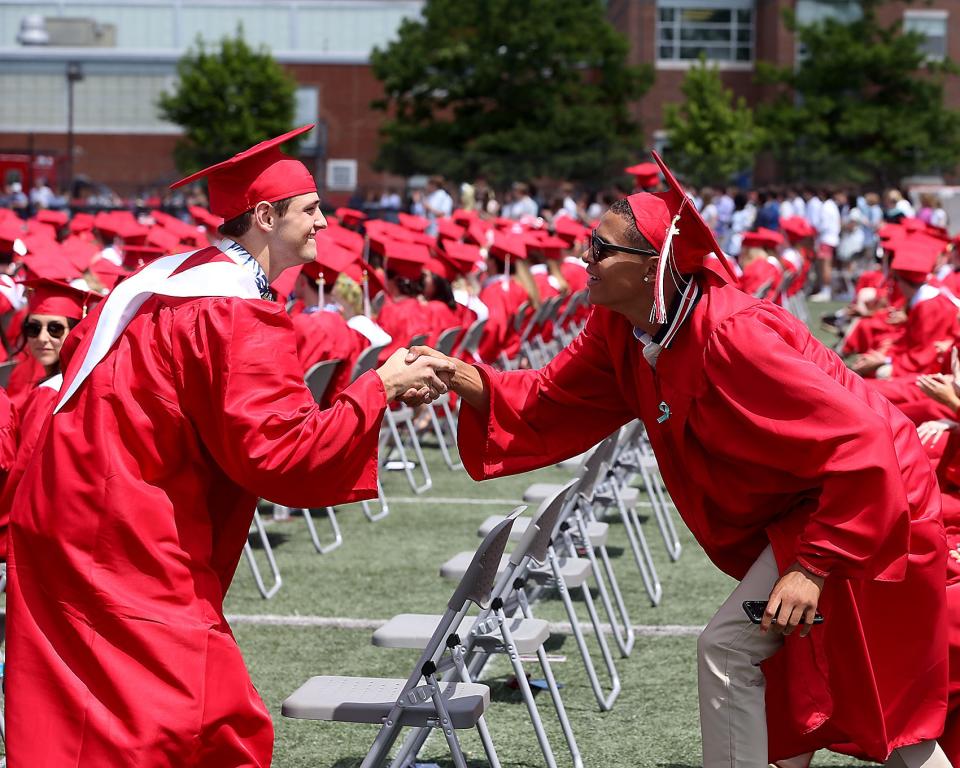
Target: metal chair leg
{"x": 317, "y": 544}
{"x": 381, "y": 500}
{"x": 271, "y": 561}
{"x": 639, "y": 547}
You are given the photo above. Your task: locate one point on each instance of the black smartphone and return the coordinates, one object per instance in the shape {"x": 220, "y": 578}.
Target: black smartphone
{"x": 755, "y": 608}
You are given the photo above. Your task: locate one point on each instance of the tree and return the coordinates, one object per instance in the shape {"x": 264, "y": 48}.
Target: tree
{"x": 712, "y": 136}
{"x": 864, "y": 105}
{"x": 227, "y": 99}
{"x": 510, "y": 90}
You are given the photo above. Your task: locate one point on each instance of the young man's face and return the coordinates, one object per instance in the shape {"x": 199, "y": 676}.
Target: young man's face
{"x": 616, "y": 281}
{"x": 295, "y": 230}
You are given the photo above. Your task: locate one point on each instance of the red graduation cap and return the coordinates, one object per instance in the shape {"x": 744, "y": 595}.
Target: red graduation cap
{"x": 570, "y": 230}
{"x": 261, "y": 173}
{"x": 204, "y": 218}
{"x": 49, "y": 261}
{"x": 330, "y": 262}
{"x": 57, "y": 219}
{"x": 463, "y": 256}
{"x": 477, "y": 232}
{"x": 107, "y": 273}
{"x": 407, "y": 259}
{"x": 505, "y": 245}
{"x": 797, "y": 228}
{"x": 160, "y": 237}
{"x": 284, "y": 282}
{"x": 915, "y": 258}
{"x": 12, "y": 232}
{"x": 538, "y": 240}
{"x": 644, "y": 174}
{"x": 442, "y": 268}
{"x": 81, "y": 222}
{"x": 350, "y": 216}
{"x": 346, "y": 238}
{"x": 762, "y": 238}
{"x": 79, "y": 252}
{"x": 53, "y": 297}
{"x": 672, "y": 225}
{"x": 135, "y": 256}
{"x": 413, "y": 223}
{"x": 41, "y": 229}
{"x": 447, "y": 229}
{"x": 463, "y": 217}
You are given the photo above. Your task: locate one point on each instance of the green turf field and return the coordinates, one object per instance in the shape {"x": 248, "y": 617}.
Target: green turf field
{"x": 391, "y": 567}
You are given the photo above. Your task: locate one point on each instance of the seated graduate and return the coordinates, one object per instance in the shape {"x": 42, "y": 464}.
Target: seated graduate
{"x": 797, "y": 479}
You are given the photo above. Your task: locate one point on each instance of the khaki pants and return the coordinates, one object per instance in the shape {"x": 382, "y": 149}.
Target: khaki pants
{"x": 733, "y": 719}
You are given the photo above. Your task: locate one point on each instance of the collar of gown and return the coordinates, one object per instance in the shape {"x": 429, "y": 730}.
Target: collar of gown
{"x": 678, "y": 313}
{"x": 243, "y": 257}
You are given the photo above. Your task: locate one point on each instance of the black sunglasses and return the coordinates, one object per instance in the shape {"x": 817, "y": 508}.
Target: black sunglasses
{"x": 33, "y": 328}
{"x": 598, "y": 246}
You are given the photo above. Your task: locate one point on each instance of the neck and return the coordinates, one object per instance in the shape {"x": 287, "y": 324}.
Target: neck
{"x": 257, "y": 247}
{"x": 638, "y": 312}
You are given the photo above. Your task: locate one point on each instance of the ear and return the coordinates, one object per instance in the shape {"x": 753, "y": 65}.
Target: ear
{"x": 264, "y": 217}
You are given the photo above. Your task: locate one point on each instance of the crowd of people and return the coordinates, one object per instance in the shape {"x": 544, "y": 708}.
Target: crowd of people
{"x": 791, "y": 469}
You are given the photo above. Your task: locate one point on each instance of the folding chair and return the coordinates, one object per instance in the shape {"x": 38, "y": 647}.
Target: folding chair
{"x": 256, "y": 526}
{"x": 376, "y": 303}
{"x": 367, "y": 361}
{"x": 545, "y": 350}
{"x": 565, "y": 328}
{"x": 403, "y": 416}
{"x": 498, "y": 631}
{"x": 6, "y": 369}
{"x": 507, "y": 363}
{"x": 470, "y": 343}
{"x": 444, "y": 345}
{"x": 565, "y": 571}
{"x": 395, "y": 703}
{"x": 318, "y": 378}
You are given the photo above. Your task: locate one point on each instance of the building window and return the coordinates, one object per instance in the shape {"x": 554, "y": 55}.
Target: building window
{"x": 722, "y": 32}
{"x": 933, "y": 26}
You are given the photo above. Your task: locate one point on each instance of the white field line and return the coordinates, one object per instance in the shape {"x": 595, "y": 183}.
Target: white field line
{"x": 480, "y": 502}
{"x": 340, "y": 622}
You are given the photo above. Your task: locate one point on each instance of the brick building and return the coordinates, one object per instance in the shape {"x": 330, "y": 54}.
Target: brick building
{"x": 125, "y": 53}
{"x": 736, "y": 34}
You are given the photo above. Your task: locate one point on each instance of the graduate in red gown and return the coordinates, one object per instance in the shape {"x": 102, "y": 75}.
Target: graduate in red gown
{"x": 183, "y": 401}
{"x": 762, "y": 271}
{"x": 53, "y": 310}
{"x": 794, "y": 476}
{"x": 504, "y": 295}
{"x": 403, "y": 314}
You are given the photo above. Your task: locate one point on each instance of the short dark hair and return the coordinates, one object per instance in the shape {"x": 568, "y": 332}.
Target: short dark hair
{"x": 622, "y": 209}
{"x": 240, "y": 225}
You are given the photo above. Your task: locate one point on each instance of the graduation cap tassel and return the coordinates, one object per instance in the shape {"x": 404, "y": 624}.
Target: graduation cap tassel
{"x": 322, "y": 297}
{"x": 506, "y": 274}
{"x": 366, "y": 294}
{"x": 658, "y": 312}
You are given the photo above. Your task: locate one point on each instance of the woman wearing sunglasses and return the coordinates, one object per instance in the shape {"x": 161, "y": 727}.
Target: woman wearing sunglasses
{"x": 54, "y": 309}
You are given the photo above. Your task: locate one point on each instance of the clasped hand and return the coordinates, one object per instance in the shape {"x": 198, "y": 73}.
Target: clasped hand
{"x": 418, "y": 380}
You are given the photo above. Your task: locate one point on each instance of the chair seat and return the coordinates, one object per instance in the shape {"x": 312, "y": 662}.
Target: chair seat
{"x": 370, "y": 699}
{"x": 537, "y": 492}
{"x": 574, "y": 570}
{"x": 596, "y": 531}
{"x": 629, "y": 495}
{"x": 414, "y": 630}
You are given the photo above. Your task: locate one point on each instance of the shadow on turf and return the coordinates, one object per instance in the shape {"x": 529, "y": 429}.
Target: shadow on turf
{"x": 354, "y": 762}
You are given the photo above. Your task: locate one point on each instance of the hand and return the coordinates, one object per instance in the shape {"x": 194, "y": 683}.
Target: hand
{"x": 466, "y": 380}
{"x": 896, "y": 317}
{"x": 868, "y": 362}
{"x": 930, "y": 432}
{"x": 940, "y": 387}
{"x": 423, "y": 375}
{"x": 793, "y": 601}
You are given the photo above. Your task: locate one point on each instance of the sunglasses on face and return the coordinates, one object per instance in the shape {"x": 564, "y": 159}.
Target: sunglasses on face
{"x": 600, "y": 249}
{"x": 33, "y": 328}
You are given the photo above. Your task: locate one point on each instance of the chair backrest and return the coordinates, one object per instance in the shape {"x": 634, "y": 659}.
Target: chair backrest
{"x": 5, "y": 370}
{"x": 319, "y": 376}
{"x": 447, "y": 339}
{"x": 471, "y": 339}
{"x": 477, "y": 582}
{"x": 418, "y": 340}
{"x": 576, "y": 300}
{"x": 594, "y": 465}
{"x": 366, "y": 362}
{"x": 552, "y": 307}
{"x": 546, "y": 521}
{"x": 376, "y": 303}
{"x": 521, "y": 314}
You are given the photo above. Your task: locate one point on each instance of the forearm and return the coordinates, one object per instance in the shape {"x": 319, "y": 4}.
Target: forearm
{"x": 469, "y": 385}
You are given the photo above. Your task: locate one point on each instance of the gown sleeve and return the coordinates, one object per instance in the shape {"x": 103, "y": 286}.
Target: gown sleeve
{"x": 915, "y": 351}
{"x": 538, "y": 417}
{"x": 241, "y": 385}
{"x": 794, "y": 409}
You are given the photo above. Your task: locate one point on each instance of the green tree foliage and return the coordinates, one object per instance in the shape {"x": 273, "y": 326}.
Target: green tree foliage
{"x": 512, "y": 90}
{"x": 864, "y": 105}
{"x": 228, "y": 98}
{"x": 712, "y": 135}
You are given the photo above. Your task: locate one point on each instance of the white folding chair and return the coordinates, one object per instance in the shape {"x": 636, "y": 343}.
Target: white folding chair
{"x": 390, "y": 434}
{"x": 367, "y": 361}
{"x": 470, "y": 343}
{"x": 439, "y": 411}
{"x": 256, "y": 527}
{"x": 421, "y": 700}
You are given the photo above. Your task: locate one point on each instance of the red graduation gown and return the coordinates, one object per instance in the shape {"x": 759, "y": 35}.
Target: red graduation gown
{"x": 929, "y": 321}
{"x": 500, "y": 333}
{"x": 323, "y": 335}
{"x": 130, "y": 521}
{"x": 39, "y": 405}
{"x": 769, "y": 438}
{"x": 403, "y": 318}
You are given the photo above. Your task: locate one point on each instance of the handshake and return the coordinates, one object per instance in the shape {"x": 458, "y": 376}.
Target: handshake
{"x": 418, "y": 375}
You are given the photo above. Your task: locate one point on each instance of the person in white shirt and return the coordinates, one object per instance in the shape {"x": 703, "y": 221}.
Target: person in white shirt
{"x": 41, "y": 196}
{"x": 437, "y": 204}
{"x": 829, "y": 231}
{"x": 523, "y": 204}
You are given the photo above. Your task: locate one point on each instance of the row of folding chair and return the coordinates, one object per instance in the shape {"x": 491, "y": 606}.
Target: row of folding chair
{"x": 546, "y": 559}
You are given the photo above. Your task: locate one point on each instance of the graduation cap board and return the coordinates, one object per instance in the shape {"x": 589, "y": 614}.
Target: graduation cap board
{"x": 261, "y": 173}
{"x": 53, "y": 297}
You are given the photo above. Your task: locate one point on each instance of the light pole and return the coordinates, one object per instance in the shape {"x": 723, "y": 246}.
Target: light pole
{"x": 74, "y": 75}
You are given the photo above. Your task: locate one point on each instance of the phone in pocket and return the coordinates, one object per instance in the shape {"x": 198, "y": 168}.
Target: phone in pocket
{"x": 755, "y": 609}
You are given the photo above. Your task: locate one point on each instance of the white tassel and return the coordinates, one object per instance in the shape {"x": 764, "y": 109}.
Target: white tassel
{"x": 658, "y": 312}
{"x": 322, "y": 299}
{"x": 506, "y": 274}
{"x": 366, "y": 295}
